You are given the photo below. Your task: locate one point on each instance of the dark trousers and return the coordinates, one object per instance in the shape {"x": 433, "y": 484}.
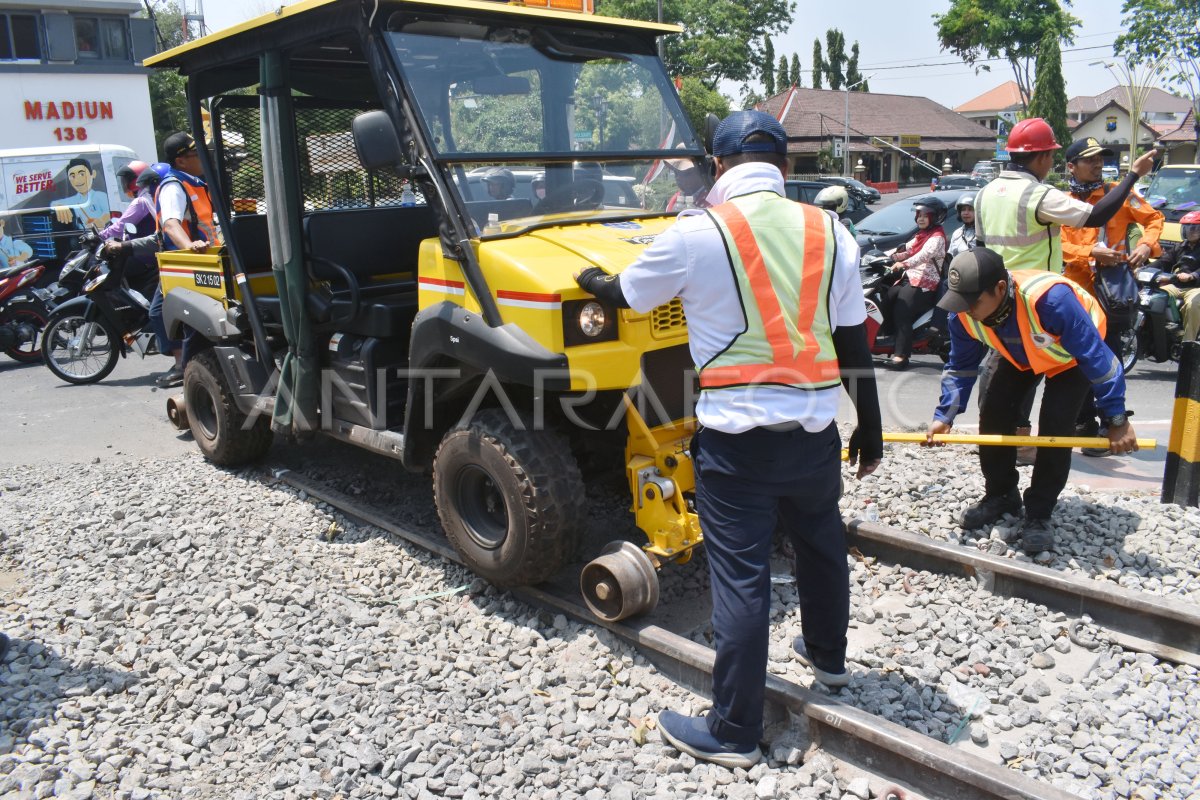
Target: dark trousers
{"x": 1000, "y": 412}
{"x": 1088, "y": 412}
{"x": 902, "y": 306}
{"x": 746, "y": 485}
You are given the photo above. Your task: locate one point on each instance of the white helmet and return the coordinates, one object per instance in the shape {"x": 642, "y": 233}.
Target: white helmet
{"x": 833, "y": 198}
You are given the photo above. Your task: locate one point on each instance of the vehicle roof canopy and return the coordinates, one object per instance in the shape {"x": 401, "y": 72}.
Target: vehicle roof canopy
{"x": 314, "y": 18}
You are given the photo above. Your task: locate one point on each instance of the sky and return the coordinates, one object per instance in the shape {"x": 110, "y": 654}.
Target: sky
{"x": 892, "y": 37}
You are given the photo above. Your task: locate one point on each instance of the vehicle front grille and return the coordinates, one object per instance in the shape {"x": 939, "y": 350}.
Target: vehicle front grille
{"x": 667, "y": 320}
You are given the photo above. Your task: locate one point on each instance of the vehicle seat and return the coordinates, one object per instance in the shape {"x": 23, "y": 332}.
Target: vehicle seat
{"x": 369, "y": 259}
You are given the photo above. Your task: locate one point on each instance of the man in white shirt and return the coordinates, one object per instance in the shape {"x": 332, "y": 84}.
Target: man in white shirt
{"x": 775, "y": 316}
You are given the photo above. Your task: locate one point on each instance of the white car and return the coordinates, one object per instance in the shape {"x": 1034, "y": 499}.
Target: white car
{"x": 1110, "y": 173}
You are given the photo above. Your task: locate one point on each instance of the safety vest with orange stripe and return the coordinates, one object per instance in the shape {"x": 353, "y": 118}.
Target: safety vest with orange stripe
{"x": 1042, "y": 349}
{"x": 788, "y": 339}
{"x": 199, "y": 222}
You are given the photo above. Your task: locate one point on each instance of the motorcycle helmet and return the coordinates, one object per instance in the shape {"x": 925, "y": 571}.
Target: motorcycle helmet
{"x": 503, "y": 182}
{"x": 1189, "y": 224}
{"x": 129, "y": 174}
{"x": 833, "y": 198}
{"x": 932, "y": 206}
{"x": 966, "y": 201}
{"x": 149, "y": 179}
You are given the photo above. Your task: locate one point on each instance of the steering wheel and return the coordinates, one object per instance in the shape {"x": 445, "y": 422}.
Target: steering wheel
{"x": 581, "y": 195}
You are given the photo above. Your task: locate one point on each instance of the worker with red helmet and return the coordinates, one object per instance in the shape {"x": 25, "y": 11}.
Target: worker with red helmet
{"x": 1019, "y": 217}
{"x": 1184, "y": 284}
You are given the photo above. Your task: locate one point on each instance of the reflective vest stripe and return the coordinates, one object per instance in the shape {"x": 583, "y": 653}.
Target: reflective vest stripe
{"x": 1043, "y": 350}
{"x": 1009, "y": 225}
{"x": 800, "y": 348}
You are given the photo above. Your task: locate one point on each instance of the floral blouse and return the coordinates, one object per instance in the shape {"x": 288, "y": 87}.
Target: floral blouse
{"x": 923, "y": 268}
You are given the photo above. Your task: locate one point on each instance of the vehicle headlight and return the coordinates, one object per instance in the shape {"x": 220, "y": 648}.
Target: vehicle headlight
{"x": 587, "y": 322}
{"x": 592, "y": 319}
{"x": 95, "y": 282}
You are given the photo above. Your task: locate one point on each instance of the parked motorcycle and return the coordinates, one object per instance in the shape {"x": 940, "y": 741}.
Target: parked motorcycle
{"x": 73, "y": 274}
{"x": 86, "y": 335}
{"x": 22, "y": 313}
{"x": 1159, "y": 325}
{"x": 928, "y": 337}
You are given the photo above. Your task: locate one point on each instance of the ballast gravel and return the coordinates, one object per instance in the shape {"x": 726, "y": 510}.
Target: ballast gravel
{"x": 185, "y": 631}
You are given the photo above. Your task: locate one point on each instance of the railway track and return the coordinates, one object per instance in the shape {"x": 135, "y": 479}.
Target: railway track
{"x": 914, "y": 764}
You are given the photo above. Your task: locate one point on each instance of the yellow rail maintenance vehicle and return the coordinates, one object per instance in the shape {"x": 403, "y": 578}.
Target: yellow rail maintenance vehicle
{"x": 405, "y": 189}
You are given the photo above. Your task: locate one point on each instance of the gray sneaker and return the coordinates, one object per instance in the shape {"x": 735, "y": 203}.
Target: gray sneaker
{"x": 833, "y": 680}
{"x": 170, "y": 379}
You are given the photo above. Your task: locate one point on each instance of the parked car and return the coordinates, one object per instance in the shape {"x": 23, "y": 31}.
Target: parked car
{"x": 868, "y": 194}
{"x": 1110, "y": 173}
{"x": 985, "y": 169}
{"x": 1175, "y": 190}
{"x": 893, "y": 226}
{"x": 806, "y": 192}
{"x": 958, "y": 181}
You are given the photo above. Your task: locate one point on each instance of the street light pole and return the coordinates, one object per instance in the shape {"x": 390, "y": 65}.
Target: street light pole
{"x": 846, "y": 129}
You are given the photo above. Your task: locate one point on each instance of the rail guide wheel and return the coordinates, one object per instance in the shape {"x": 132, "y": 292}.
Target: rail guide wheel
{"x": 620, "y": 583}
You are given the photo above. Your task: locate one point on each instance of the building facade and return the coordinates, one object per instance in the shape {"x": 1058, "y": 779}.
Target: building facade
{"x": 71, "y": 73}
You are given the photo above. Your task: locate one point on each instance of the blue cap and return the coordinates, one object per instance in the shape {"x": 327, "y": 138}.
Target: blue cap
{"x": 731, "y": 134}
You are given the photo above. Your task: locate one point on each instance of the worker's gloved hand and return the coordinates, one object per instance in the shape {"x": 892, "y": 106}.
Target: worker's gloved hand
{"x": 590, "y": 278}
{"x": 867, "y": 443}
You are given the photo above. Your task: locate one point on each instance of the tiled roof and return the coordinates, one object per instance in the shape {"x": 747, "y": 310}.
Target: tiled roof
{"x": 1103, "y": 109}
{"x": 1004, "y": 97}
{"x": 1156, "y": 101}
{"x": 1185, "y": 132}
{"x": 819, "y": 113}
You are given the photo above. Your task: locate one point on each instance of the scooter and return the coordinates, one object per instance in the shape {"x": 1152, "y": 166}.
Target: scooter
{"x": 1158, "y": 324}
{"x": 22, "y": 313}
{"x": 928, "y": 336}
{"x": 86, "y": 335}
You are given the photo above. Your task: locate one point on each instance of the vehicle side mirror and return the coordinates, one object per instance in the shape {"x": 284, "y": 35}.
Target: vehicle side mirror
{"x": 377, "y": 143}
{"x": 130, "y": 229}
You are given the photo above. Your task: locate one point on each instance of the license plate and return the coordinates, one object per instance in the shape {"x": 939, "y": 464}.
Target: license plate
{"x": 211, "y": 280}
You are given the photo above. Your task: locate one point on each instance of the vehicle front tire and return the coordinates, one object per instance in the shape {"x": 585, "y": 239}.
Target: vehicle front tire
{"x": 77, "y": 353}
{"x": 217, "y": 424}
{"x": 511, "y": 501}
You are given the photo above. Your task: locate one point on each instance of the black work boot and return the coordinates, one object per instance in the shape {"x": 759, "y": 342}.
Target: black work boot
{"x": 990, "y": 509}
{"x": 1037, "y": 535}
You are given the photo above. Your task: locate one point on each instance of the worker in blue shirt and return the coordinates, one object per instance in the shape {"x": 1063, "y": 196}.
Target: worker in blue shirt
{"x": 1042, "y": 325}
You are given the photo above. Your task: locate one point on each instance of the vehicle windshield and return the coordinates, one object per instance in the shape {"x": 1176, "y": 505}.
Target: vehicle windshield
{"x": 1176, "y": 188}
{"x": 894, "y": 219}
{"x": 539, "y": 125}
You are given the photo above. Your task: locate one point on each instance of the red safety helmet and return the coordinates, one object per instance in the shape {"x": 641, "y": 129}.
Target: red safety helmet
{"x": 1033, "y": 135}
{"x": 129, "y": 173}
{"x": 1189, "y": 223}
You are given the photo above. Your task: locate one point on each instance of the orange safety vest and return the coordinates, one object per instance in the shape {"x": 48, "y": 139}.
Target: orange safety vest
{"x": 1042, "y": 349}
{"x": 788, "y": 340}
{"x": 199, "y": 222}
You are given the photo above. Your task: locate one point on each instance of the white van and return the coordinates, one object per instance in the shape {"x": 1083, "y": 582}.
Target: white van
{"x": 48, "y": 195}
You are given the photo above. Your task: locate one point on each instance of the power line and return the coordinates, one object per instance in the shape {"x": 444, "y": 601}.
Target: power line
{"x": 977, "y": 61}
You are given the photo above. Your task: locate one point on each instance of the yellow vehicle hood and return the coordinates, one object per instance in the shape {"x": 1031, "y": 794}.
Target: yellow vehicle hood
{"x": 609, "y": 245}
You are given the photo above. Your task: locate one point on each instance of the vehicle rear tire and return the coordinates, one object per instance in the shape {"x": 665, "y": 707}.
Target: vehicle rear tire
{"x": 26, "y": 314}
{"x": 511, "y": 501}
{"x": 1131, "y": 347}
{"x": 77, "y": 353}
{"x": 217, "y": 424}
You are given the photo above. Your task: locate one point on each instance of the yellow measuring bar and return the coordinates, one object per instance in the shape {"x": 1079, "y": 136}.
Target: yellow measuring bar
{"x": 1008, "y": 441}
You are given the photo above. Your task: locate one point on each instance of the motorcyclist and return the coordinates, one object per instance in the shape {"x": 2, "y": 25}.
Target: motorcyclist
{"x": 538, "y": 186}
{"x": 500, "y": 183}
{"x": 837, "y": 200}
{"x": 920, "y": 263}
{"x": 1184, "y": 284}
{"x": 139, "y": 181}
{"x": 963, "y": 238}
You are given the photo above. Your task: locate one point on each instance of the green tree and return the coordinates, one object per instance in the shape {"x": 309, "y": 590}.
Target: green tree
{"x": 768, "y": 67}
{"x": 722, "y": 39}
{"x": 818, "y": 64}
{"x": 783, "y": 79}
{"x": 835, "y": 58}
{"x": 1009, "y": 29}
{"x": 750, "y": 100}
{"x": 1050, "y": 91}
{"x": 795, "y": 76}
{"x": 168, "y": 100}
{"x": 1164, "y": 30}
{"x": 699, "y": 101}
{"x": 853, "y": 76}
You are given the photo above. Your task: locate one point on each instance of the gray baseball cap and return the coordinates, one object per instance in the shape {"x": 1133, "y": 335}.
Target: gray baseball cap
{"x": 971, "y": 273}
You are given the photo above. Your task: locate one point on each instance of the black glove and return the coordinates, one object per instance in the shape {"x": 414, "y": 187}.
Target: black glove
{"x": 868, "y": 443}
{"x": 590, "y": 279}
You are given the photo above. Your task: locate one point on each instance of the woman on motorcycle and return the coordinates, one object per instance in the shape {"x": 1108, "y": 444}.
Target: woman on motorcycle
{"x": 139, "y": 180}
{"x": 920, "y": 263}
{"x": 963, "y": 238}
{"x": 1184, "y": 285}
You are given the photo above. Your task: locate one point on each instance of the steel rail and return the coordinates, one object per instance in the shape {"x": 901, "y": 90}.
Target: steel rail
{"x": 893, "y": 753}
{"x": 1164, "y": 627}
